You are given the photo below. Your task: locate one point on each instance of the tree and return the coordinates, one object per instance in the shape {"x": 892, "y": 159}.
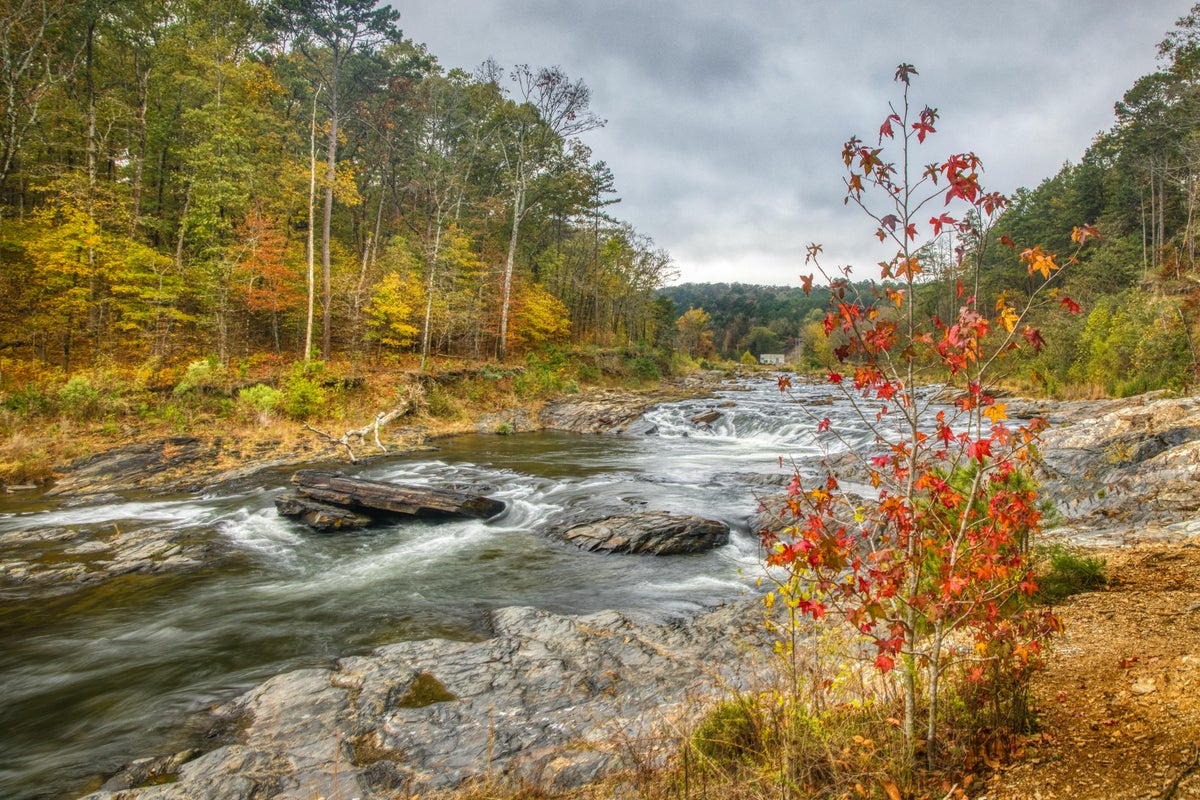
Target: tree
{"x": 695, "y": 337}
{"x": 549, "y": 110}
{"x": 934, "y": 572}
{"x": 336, "y": 37}
{"x": 31, "y": 63}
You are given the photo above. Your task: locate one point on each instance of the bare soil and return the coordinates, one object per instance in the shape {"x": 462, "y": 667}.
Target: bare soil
{"x": 1119, "y": 701}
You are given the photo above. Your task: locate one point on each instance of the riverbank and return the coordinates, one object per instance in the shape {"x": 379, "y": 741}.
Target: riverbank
{"x": 77, "y": 458}
{"x": 563, "y": 699}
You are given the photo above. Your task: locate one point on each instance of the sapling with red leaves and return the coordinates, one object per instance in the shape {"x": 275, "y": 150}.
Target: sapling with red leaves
{"x": 935, "y": 571}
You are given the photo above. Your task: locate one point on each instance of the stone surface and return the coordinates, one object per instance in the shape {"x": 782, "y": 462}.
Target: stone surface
{"x": 132, "y": 466}
{"x": 650, "y": 532}
{"x": 60, "y": 560}
{"x": 319, "y": 516}
{"x": 372, "y": 498}
{"x": 550, "y": 698}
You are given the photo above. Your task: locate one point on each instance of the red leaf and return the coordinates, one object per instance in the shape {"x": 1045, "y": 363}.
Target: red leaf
{"x": 824, "y": 425}
{"x": 884, "y": 663}
{"x": 1070, "y": 305}
{"x": 835, "y": 377}
{"x": 938, "y": 222}
{"x": 806, "y": 283}
{"x": 1034, "y": 337}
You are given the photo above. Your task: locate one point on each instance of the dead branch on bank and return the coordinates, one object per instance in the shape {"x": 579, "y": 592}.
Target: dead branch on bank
{"x": 413, "y": 397}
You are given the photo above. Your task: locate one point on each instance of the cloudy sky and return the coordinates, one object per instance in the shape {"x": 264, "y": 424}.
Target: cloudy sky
{"x": 726, "y": 120}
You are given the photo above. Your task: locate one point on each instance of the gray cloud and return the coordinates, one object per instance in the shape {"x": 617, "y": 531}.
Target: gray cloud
{"x": 725, "y": 121}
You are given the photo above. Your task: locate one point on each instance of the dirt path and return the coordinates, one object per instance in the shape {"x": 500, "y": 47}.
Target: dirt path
{"x": 1120, "y": 701}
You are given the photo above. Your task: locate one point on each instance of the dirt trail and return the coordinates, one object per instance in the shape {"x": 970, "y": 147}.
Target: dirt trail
{"x": 1120, "y": 700}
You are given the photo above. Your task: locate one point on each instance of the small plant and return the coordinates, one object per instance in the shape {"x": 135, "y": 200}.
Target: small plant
{"x": 262, "y": 400}
{"x": 935, "y": 573}
{"x": 200, "y": 375}
{"x": 304, "y": 398}
{"x": 79, "y": 399}
{"x": 734, "y": 731}
{"x": 1065, "y": 571}
{"x": 505, "y": 429}
{"x": 748, "y": 359}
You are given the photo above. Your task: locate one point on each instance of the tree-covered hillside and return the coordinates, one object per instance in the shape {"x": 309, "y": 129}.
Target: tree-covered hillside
{"x": 190, "y": 177}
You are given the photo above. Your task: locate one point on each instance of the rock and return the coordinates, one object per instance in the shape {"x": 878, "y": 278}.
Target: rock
{"x": 655, "y": 532}
{"x": 706, "y": 417}
{"x": 1132, "y": 464}
{"x": 60, "y": 560}
{"x": 552, "y": 699}
{"x": 319, "y": 516}
{"x": 1143, "y": 686}
{"x": 132, "y": 466}
{"x": 374, "y": 498}
{"x": 639, "y": 427}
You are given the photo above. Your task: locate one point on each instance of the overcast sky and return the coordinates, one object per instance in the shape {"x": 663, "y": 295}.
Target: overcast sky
{"x": 726, "y": 120}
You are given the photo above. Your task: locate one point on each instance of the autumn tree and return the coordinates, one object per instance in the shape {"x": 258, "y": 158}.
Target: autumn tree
{"x": 547, "y": 111}
{"x": 933, "y": 573}
{"x": 338, "y": 39}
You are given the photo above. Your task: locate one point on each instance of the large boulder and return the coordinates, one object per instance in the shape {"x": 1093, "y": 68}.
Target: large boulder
{"x": 329, "y": 501}
{"x": 654, "y": 532}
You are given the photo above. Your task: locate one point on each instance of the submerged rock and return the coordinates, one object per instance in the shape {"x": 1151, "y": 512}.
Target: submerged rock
{"x": 654, "y": 532}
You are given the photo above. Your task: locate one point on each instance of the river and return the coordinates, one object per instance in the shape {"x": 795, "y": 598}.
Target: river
{"x": 102, "y": 674}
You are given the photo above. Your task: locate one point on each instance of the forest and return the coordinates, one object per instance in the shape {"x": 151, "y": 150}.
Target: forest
{"x": 247, "y": 183}
{"x": 244, "y": 180}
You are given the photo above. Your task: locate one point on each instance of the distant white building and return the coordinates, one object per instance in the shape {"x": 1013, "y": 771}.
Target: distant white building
{"x": 772, "y": 359}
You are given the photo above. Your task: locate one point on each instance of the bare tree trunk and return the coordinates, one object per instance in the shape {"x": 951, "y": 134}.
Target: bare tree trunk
{"x": 327, "y": 224}
{"x": 139, "y": 162}
{"x": 506, "y": 299}
{"x": 312, "y": 197}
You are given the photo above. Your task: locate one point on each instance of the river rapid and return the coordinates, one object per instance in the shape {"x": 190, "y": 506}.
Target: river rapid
{"x": 96, "y": 676}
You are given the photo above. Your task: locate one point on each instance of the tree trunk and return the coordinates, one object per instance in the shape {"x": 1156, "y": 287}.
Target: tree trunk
{"x": 506, "y": 299}
{"x": 327, "y": 223}
{"x": 312, "y": 201}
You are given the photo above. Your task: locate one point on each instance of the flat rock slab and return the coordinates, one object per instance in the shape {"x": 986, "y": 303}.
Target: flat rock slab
{"x": 551, "y": 699}
{"x": 320, "y": 516}
{"x": 329, "y": 491}
{"x": 654, "y": 532}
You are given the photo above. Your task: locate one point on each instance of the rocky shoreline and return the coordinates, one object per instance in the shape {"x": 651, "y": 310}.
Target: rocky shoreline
{"x": 561, "y": 700}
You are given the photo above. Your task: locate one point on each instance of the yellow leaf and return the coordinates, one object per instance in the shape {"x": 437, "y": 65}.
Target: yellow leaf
{"x": 1008, "y": 318}
{"x": 996, "y": 412}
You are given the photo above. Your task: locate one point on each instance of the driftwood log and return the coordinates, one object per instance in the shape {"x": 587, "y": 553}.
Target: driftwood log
{"x": 329, "y": 501}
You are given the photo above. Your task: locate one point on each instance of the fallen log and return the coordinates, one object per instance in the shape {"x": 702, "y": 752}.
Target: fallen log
{"x": 367, "y": 496}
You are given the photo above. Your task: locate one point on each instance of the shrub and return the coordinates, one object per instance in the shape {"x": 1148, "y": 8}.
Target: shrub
{"x": 261, "y": 399}
{"x": 200, "y": 375}
{"x": 1066, "y": 571}
{"x": 79, "y": 398}
{"x": 303, "y": 397}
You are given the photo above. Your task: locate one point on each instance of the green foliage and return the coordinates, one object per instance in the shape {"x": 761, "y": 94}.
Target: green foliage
{"x": 200, "y": 375}
{"x": 79, "y": 398}
{"x": 733, "y": 731}
{"x": 303, "y": 395}
{"x": 748, "y": 359}
{"x": 1133, "y": 343}
{"x": 1064, "y": 571}
{"x": 261, "y": 399}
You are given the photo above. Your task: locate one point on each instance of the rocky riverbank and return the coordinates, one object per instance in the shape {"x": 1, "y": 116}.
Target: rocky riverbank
{"x": 561, "y": 700}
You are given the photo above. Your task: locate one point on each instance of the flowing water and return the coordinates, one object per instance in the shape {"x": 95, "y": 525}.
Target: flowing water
{"x": 104, "y": 674}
